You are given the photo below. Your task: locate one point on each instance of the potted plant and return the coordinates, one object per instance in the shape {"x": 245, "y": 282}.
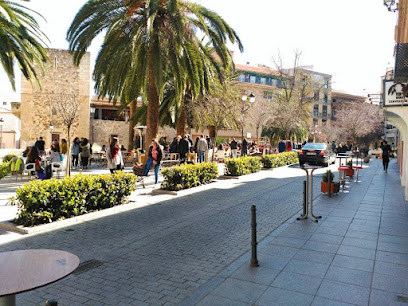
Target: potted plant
{"x": 350, "y": 171}
{"x": 334, "y": 186}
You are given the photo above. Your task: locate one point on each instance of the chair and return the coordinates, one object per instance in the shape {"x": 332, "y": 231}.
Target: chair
{"x": 174, "y": 156}
{"x": 17, "y": 167}
{"x": 57, "y": 167}
{"x": 220, "y": 155}
{"x": 29, "y": 168}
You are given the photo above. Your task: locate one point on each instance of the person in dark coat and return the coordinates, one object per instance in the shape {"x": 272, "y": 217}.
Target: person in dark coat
{"x": 386, "y": 151}
{"x": 281, "y": 147}
{"x": 209, "y": 142}
{"x": 184, "y": 148}
{"x": 244, "y": 150}
{"x": 40, "y": 144}
{"x": 174, "y": 147}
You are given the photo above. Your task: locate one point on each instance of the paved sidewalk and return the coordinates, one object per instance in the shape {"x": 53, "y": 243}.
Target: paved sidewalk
{"x": 356, "y": 255}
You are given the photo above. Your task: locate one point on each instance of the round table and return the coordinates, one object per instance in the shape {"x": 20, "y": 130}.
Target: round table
{"x": 25, "y": 270}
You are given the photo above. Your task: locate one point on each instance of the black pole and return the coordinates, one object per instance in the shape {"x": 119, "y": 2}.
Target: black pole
{"x": 329, "y": 182}
{"x": 304, "y": 198}
{"x": 254, "y": 260}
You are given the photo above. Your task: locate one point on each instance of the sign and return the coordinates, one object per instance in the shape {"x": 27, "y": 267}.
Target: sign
{"x": 394, "y": 93}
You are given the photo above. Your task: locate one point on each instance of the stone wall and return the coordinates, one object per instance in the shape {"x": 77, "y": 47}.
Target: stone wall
{"x": 62, "y": 81}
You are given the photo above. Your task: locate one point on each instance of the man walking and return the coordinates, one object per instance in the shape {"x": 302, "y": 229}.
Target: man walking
{"x": 244, "y": 148}
{"x": 202, "y": 147}
{"x": 386, "y": 155}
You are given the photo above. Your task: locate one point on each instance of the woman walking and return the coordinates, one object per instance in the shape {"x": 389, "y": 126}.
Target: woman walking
{"x": 85, "y": 153}
{"x": 114, "y": 156}
{"x": 75, "y": 152}
{"x": 155, "y": 156}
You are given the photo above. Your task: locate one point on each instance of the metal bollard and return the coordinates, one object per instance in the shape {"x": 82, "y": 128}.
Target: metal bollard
{"x": 304, "y": 198}
{"x": 329, "y": 184}
{"x": 51, "y": 303}
{"x": 254, "y": 243}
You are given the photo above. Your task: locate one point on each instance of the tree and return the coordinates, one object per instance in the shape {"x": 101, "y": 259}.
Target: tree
{"x": 20, "y": 40}
{"x": 67, "y": 105}
{"x": 355, "y": 121}
{"x": 290, "y": 102}
{"x": 218, "y": 110}
{"x": 148, "y": 44}
{"x": 261, "y": 113}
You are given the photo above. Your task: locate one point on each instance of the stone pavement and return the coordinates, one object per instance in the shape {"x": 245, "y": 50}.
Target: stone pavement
{"x": 193, "y": 249}
{"x": 356, "y": 255}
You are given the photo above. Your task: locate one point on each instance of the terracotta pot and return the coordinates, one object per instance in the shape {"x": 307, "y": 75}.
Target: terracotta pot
{"x": 334, "y": 187}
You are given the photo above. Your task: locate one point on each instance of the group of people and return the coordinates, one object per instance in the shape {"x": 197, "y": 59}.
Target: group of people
{"x": 185, "y": 145}
{"x": 81, "y": 150}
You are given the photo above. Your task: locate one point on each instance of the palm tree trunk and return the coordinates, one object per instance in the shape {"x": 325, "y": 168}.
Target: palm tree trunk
{"x": 132, "y": 110}
{"x": 181, "y": 123}
{"x": 152, "y": 121}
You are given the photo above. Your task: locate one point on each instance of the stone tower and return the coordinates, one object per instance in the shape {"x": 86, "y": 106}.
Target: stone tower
{"x": 62, "y": 80}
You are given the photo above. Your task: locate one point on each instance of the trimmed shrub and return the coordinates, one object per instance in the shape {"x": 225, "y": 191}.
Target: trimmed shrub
{"x": 45, "y": 201}
{"x": 279, "y": 160}
{"x": 5, "y": 169}
{"x": 242, "y": 165}
{"x": 187, "y": 176}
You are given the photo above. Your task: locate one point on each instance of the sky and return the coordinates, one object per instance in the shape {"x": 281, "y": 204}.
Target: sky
{"x": 351, "y": 40}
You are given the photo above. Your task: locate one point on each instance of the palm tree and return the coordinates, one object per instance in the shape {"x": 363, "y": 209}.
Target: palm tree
{"x": 20, "y": 41}
{"x": 147, "y": 44}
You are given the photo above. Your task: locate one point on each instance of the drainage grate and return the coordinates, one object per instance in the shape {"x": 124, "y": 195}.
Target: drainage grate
{"x": 403, "y": 299}
{"x": 87, "y": 265}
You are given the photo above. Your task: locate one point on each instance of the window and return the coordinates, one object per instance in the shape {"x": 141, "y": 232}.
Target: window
{"x": 252, "y": 79}
{"x": 268, "y": 96}
{"x": 324, "y": 122}
{"x": 4, "y": 103}
{"x": 263, "y": 80}
{"x": 112, "y": 114}
{"x": 325, "y": 98}
{"x": 316, "y": 95}
{"x": 324, "y": 111}
{"x": 241, "y": 78}
{"x": 258, "y": 80}
{"x": 316, "y": 110}
{"x": 315, "y": 122}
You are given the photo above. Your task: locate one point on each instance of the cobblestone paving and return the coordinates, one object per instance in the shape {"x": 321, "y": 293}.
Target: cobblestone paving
{"x": 160, "y": 254}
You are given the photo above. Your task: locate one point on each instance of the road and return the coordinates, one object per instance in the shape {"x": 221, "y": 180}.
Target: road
{"x": 161, "y": 253}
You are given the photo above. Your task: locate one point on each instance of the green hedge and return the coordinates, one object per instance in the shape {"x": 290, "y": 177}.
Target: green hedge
{"x": 5, "y": 169}
{"x": 279, "y": 160}
{"x": 186, "y": 176}
{"x": 8, "y": 157}
{"x": 242, "y": 165}
{"x": 45, "y": 201}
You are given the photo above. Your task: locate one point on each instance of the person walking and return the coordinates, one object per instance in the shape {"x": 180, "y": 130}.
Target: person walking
{"x": 202, "y": 147}
{"x": 234, "y": 148}
{"x": 85, "y": 153}
{"x": 244, "y": 149}
{"x": 386, "y": 151}
{"x": 75, "y": 152}
{"x": 64, "y": 146}
{"x": 40, "y": 144}
{"x": 154, "y": 158}
{"x": 114, "y": 156}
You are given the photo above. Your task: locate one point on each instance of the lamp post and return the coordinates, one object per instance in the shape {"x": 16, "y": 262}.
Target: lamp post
{"x": 245, "y": 107}
{"x": 51, "y": 129}
{"x": 391, "y": 5}
{"x": 92, "y": 109}
{"x": 140, "y": 129}
{"x": 1, "y": 132}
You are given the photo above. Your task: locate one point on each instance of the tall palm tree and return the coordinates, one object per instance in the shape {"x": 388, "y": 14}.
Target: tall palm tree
{"x": 146, "y": 46}
{"x": 20, "y": 41}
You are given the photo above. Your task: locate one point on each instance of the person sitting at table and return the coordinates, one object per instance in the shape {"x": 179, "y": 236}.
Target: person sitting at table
{"x": 33, "y": 157}
{"x": 122, "y": 148}
{"x": 54, "y": 156}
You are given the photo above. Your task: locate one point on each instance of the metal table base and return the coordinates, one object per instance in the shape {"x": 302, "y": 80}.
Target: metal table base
{"x": 309, "y": 195}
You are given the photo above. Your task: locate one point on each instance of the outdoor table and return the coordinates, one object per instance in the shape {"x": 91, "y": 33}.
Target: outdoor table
{"x": 309, "y": 193}
{"x": 341, "y": 156}
{"x": 25, "y": 270}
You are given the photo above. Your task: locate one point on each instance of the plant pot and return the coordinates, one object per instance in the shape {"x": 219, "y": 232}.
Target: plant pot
{"x": 350, "y": 172}
{"x": 334, "y": 187}
{"x": 366, "y": 160}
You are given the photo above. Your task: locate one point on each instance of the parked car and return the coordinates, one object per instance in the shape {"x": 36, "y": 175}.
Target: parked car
{"x": 316, "y": 154}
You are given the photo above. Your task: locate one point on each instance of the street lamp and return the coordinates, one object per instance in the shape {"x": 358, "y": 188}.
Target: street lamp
{"x": 1, "y": 132}
{"x": 92, "y": 109}
{"x": 51, "y": 129}
{"x": 391, "y": 5}
{"x": 140, "y": 129}
{"x": 245, "y": 107}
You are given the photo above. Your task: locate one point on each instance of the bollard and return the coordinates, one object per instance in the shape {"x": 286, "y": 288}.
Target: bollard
{"x": 304, "y": 198}
{"x": 329, "y": 184}
{"x": 51, "y": 303}
{"x": 254, "y": 260}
